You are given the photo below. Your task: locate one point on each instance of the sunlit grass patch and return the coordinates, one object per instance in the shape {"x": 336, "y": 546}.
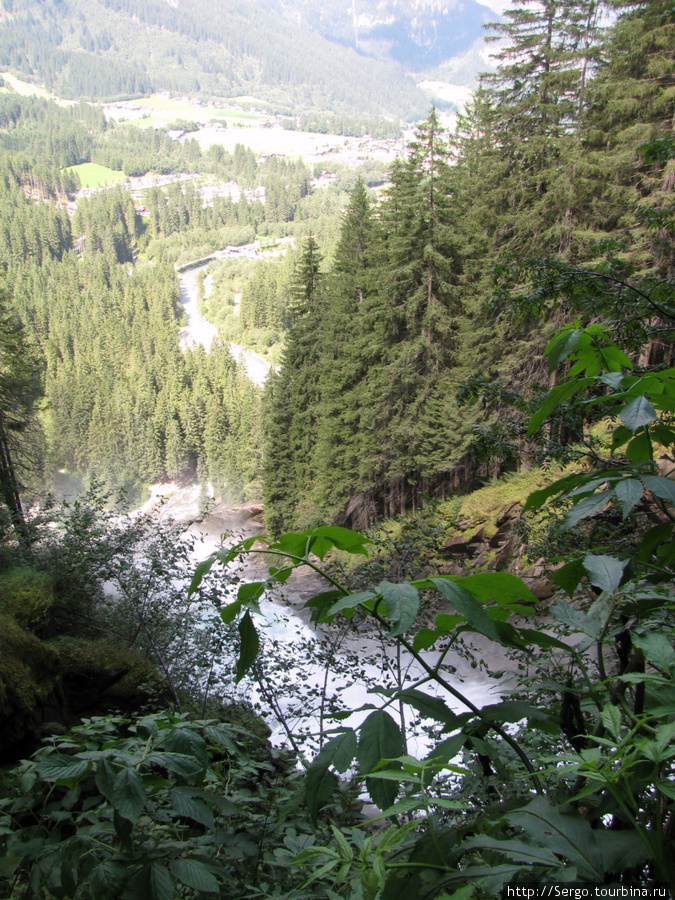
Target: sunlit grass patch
{"x": 92, "y": 175}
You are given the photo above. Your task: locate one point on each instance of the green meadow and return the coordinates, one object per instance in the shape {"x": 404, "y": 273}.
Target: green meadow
{"x": 92, "y": 175}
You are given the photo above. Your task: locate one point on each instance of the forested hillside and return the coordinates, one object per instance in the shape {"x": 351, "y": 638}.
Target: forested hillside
{"x": 121, "y": 400}
{"x": 493, "y": 673}
{"x": 127, "y": 48}
{"x": 93, "y": 280}
{"x": 425, "y": 310}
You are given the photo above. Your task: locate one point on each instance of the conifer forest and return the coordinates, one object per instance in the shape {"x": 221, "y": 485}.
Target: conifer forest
{"x": 415, "y": 637}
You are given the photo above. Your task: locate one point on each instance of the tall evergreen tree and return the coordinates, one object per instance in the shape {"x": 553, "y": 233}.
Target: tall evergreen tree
{"x": 347, "y": 356}
{"x": 413, "y": 319}
{"x": 293, "y": 400}
{"x": 20, "y": 387}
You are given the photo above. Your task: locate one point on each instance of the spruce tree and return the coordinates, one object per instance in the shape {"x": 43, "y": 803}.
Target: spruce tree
{"x": 412, "y": 322}
{"x": 346, "y": 359}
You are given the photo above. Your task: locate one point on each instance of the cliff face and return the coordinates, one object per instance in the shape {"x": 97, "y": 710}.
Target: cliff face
{"x": 416, "y": 34}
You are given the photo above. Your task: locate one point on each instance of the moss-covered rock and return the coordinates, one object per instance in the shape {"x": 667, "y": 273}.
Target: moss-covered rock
{"x": 29, "y": 688}
{"x": 47, "y": 686}
{"x": 99, "y": 676}
{"x": 26, "y": 596}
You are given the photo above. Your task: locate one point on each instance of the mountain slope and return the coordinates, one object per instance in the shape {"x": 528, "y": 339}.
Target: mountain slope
{"x": 97, "y": 49}
{"x": 416, "y": 34}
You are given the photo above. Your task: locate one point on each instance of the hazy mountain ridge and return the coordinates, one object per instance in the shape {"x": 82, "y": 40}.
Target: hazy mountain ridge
{"x": 339, "y": 56}
{"x": 417, "y": 35}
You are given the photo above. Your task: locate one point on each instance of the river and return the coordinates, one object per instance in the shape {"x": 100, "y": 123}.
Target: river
{"x": 199, "y": 331}
{"x": 297, "y": 686}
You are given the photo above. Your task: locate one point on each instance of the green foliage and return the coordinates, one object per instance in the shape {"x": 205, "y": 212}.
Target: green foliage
{"x": 26, "y": 595}
{"x": 99, "y": 52}
{"x": 152, "y": 808}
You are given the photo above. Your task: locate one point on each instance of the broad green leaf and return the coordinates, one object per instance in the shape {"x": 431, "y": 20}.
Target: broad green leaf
{"x": 230, "y": 612}
{"x": 514, "y": 850}
{"x": 467, "y": 606}
{"x": 640, "y": 449}
{"x": 425, "y": 638}
{"x": 179, "y": 763}
{"x": 401, "y": 603}
{"x": 660, "y": 487}
{"x": 537, "y": 498}
{"x": 351, "y": 601}
{"x": 577, "y": 620}
{"x": 463, "y": 893}
{"x": 320, "y": 784}
{"x": 589, "y": 487}
{"x": 637, "y": 413}
{"x": 105, "y": 778}
{"x": 185, "y": 804}
{"x": 663, "y": 434}
{"x": 200, "y": 571}
{"x": 604, "y": 572}
{"x": 620, "y": 436}
{"x": 153, "y": 882}
{"x": 616, "y": 360}
{"x": 250, "y": 645}
{"x": 293, "y": 543}
{"x": 338, "y": 752}
{"x": 449, "y": 748}
{"x": 195, "y": 875}
{"x": 221, "y": 734}
{"x": 188, "y": 743}
{"x": 445, "y": 623}
{"x": 250, "y": 592}
{"x": 657, "y": 648}
{"x": 431, "y": 708}
{"x": 107, "y": 880}
{"x": 343, "y": 539}
{"x": 281, "y": 576}
{"x": 512, "y": 711}
{"x": 555, "y": 398}
{"x": 612, "y": 379}
{"x": 501, "y": 587}
{"x": 619, "y": 850}
{"x": 567, "y": 834}
{"x": 560, "y": 347}
{"x": 656, "y": 536}
{"x": 61, "y": 767}
{"x": 666, "y": 787}
{"x": 628, "y": 492}
{"x": 611, "y": 719}
{"x": 380, "y": 738}
{"x": 321, "y": 603}
{"x": 568, "y": 576}
{"x": 123, "y": 829}
{"x": 9, "y": 864}
{"x": 541, "y": 639}
{"x": 585, "y": 508}
{"x": 128, "y": 796}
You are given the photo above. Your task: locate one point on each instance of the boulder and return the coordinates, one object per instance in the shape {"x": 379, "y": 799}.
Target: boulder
{"x": 457, "y": 546}
{"x": 501, "y": 535}
{"x": 452, "y": 569}
{"x": 510, "y": 513}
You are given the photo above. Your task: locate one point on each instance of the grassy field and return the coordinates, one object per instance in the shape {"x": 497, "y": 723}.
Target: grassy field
{"x": 92, "y": 175}
{"x": 25, "y": 89}
{"x": 162, "y": 111}
{"x": 179, "y": 109}
{"x": 271, "y": 140}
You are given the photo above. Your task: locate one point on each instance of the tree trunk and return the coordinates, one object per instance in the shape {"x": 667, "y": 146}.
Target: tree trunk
{"x": 9, "y": 490}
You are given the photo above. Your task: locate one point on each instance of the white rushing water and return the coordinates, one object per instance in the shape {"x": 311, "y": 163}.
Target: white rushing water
{"x": 200, "y": 332}
{"x": 295, "y": 651}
